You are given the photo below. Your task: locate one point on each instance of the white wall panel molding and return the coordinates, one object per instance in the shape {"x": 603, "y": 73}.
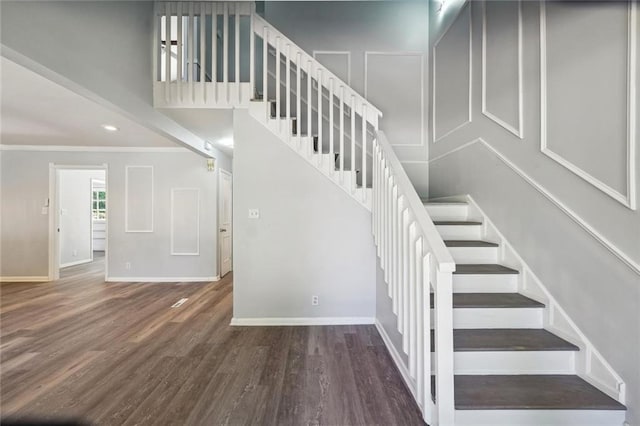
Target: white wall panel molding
{"x": 185, "y": 222}
{"x": 420, "y": 83}
{"x": 628, "y": 199}
{"x": 138, "y": 199}
{"x": 517, "y": 128}
{"x": 635, "y": 267}
{"x": 317, "y": 53}
{"x": 464, "y": 12}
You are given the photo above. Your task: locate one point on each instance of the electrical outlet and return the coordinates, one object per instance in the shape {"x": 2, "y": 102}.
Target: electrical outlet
{"x": 315, "y": 301}
{"x": 254, "y": 213}
{"x": 127, "y": 265}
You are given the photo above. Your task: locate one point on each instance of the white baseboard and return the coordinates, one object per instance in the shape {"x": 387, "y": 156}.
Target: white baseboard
{"x": 24, "y": 279}
{"x": 302, "y": 321}
{"x": 77, "y": 262}
{"x": 161, "y": 279}
{"x": 395, "y": 355}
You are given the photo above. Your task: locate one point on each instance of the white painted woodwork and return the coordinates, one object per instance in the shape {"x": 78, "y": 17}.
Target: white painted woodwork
{"x": 474, "y": 254}
{"x": 514, "y": 362}
{"x": 539, "y": 417}
{"x": 468, "y": 318}
{"x": 498, "y": 283}
{"x": 460, "y": 232}
{"x": 226, "y": 225}
{"x": 448, "y": 211}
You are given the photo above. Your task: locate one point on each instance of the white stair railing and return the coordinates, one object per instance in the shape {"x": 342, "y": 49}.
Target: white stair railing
{"x": 416, "y": 265}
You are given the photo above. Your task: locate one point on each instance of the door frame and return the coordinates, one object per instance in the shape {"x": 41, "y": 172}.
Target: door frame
{"x": 222, "y": 171}
{"x": 53, "y": 206}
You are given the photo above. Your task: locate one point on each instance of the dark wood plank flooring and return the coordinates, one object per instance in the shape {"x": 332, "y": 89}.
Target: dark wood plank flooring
{"x": 116, "y": 353}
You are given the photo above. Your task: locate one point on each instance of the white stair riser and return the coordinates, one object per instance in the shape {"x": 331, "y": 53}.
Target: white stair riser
{"x": 539, "y": 417}
{"x": 514, "y": 362}
{"x": 474, "y": 254}
{"x": 448, "y": 211}
{"x": 489, "y": 283}
{"x": 473, "y": 318}
{"x": 460, "y": 232}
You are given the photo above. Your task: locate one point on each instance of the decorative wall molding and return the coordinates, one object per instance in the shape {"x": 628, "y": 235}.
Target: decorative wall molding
{"x": 423, "y": 132}
{"x": 628, "y": 199}
{"x": 127, "y": 190}
{"x": 518, "y": 131}
{"x": 196, "y": 251}
{"x": 435, "y": 137}
{"x": 71, "y": 148}
{"x": 634, "y": 266}
{"x": 302, "y": 321}
{"x": 336, "y": 52}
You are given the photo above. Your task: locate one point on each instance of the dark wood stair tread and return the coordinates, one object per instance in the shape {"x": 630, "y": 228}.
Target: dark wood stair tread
{"x": 469, "y": 243}
{"x": 532, "y": 392}
{"x": 492, "y": 300}
{"x": 483, "y": 268}
{"x": 457, "y": 222}
{"x": 509, "y": 339}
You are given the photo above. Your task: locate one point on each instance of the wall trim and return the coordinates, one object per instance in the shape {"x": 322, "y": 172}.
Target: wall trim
{"x": 634, "y": 266}
{"x": 171, "y": 230}
{"x": 126, "y": 200}
{"x": 397, "y": 359}
{"x": 77, "y": 262}
{"x": 628, "y": 200}
{"x": 294, "y": 321}
{"x": 151, "y": 280}
{"x": 423, "y": 132}
{"x": 519, "y": 132}
{"x": 467, "y": 7}
{"x": 336, "y": 52}
{"x": 71, "y": 148}
{"x": 25, "y": 279}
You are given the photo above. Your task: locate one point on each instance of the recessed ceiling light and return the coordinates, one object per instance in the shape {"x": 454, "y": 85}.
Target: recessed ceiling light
{"x": 226, "y": 142}
{"x": 110, "y": 128}
{"x": 208, "y": 146}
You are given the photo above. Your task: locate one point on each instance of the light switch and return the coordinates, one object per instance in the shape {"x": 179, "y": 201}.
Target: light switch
{"x": 45, "y": 210}
{"x": 254, "y": 213}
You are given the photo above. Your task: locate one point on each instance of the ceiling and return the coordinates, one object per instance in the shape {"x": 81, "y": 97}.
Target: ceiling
{"x": 36, "y": 111}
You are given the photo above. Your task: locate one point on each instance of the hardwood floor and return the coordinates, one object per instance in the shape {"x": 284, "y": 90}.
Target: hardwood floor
{"x": 117, "y": 353}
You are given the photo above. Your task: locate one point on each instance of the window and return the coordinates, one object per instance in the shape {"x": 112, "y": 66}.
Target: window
{"x": 99, "y": 204}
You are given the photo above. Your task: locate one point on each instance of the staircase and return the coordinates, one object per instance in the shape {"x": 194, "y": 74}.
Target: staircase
{"x": 486, "y": 343}
{"x": 508, "y": 368}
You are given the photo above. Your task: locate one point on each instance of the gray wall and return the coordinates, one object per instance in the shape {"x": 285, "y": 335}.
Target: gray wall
{"x": 101, "y": 50}
{"x": 393, "y": 37}
{"x": 311, "y": 238}
{"x": 75, "y": 214}
{"x": 24, "y": 229}
{"x": 586, "y": 146}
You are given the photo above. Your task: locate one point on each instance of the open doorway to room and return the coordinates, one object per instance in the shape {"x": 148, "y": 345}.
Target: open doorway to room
{"x": 78, "y": 225}
{"x": 225, "y": 231}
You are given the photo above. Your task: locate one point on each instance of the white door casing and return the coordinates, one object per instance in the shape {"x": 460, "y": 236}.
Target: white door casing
{"x": 225, "y": 231}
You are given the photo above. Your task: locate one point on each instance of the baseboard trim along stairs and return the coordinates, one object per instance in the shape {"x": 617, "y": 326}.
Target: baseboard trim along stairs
{"x": 513, "y": 363}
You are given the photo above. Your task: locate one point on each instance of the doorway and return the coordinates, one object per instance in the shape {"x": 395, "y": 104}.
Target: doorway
{"x": 78, "y": 214}
{"x": 225, "y": 230}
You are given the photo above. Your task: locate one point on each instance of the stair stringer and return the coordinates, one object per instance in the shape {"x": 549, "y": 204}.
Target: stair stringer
{"x": 302, "y": 145}
{"x": 590, "y": 365}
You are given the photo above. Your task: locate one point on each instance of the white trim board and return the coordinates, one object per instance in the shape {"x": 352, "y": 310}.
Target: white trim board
{"x": 25, "y": 279}
{"x": 72, "y": 148}
{"x": 423, "y": 133}
{"x": 547, "y": 194}
{"x": 76, "y": 262}
{"x": 519, "y": 132}
{"x": 628, "y": 200}
{"x": 397, "y": 359}
{"x": 294, "y": 321}
{"x": 151, "y": 280}
{"x": 467, "y": 7}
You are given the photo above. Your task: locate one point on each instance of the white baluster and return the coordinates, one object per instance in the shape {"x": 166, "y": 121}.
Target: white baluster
{"x": 252, "y": 53}
{"x": 237, "y": 49}
{"x": 225, "y": 51}
{"x": 288, "y": 89}
{"x": 167, "y": 52}
{"x": 342, "y": 134}
{"x": 353, "y": 143}
{"x": 192, "y": 53}
{"x": 202, "y": 61}
{"x": 309, "y": 115}
{"x": 444, "y": 348}
{"x": 278, "y": 86}
{"x": 265, "y": 69}
{"x": 412, "y": 315}
{"x": 298, "y": 99}
{"x": 364, "y": 152}
{"x": 320, "y": 122}
{"x": 214, "y": 50}
{"x": 331, "y": 148}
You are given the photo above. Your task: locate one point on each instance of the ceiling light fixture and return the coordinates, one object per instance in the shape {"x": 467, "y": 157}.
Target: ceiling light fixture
{"x": 110, "y": 128}
{"x": 208, "y": 145}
